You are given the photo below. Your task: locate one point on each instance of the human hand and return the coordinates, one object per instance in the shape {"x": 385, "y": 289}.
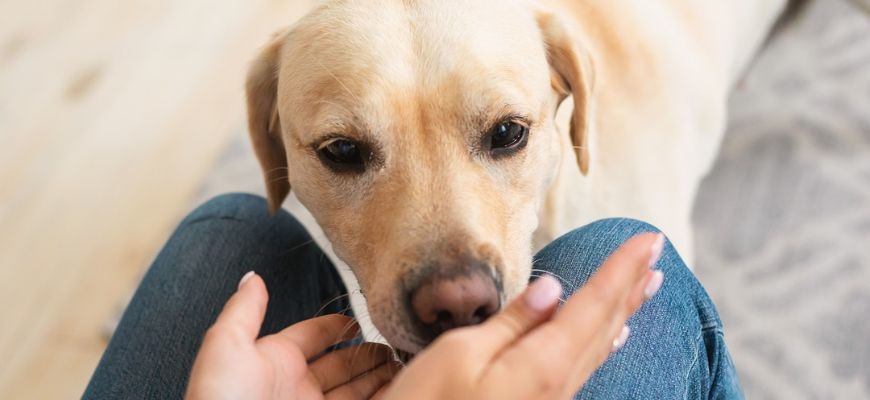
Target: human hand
{"x": 532, "y": 351}
{"x": 233, "y": 364}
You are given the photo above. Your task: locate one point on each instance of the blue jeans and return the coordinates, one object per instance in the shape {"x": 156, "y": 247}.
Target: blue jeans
{"x": 676, "y": 348}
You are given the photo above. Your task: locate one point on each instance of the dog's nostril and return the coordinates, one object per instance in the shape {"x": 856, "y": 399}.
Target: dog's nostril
{"x": 444, "y": 318}
{"x": 482, "y": 313}
{"x": 444, "y": 304}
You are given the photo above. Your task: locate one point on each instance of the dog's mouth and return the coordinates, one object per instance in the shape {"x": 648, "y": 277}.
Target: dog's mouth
{"x": 404, "y": 357}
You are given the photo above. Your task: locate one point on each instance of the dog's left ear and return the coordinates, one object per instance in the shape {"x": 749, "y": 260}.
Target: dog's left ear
{"x": 572, "y": 75}
{"x": 263, "y": 123}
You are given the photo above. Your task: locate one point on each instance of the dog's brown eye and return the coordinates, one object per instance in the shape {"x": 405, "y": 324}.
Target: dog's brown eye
{"x": 507, "y": 137}
{"x": 343, "y": 155}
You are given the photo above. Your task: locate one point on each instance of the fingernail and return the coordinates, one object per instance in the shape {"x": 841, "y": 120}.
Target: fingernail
{"x": 543, "y": 293}
{"x": 655, "y": 283}
{"x": 656, "y": 250}
{"x": 620, "y": 340}
{"x": 245, "y": 278}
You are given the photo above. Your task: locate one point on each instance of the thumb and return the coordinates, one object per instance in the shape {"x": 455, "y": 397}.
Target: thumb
{"x": 534, "y": 306}
{"x": 245, "y": 310}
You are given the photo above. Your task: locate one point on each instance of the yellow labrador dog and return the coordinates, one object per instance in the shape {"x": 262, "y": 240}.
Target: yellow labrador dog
{"x": 423, "y": 137}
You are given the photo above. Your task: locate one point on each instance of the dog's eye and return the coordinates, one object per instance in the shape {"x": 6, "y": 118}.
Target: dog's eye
{"x": 343, "y": 155}
{"x": 507, "y": 137}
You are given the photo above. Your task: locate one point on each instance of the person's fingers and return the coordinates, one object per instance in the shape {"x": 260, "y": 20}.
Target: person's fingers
{"x": 366, "y": 385}
{"x": 535, "y": 305}
{"x": 566, "y": 349}
{"x": 643, "y": 290}
{"x": 342, "y": 366}
{"x": 244, "y": 311}
{"x": 618, "y": 289}
{"x": 382, "y": 391}
{"x": 604, "y": 299}
{"x": 315, "y": 335}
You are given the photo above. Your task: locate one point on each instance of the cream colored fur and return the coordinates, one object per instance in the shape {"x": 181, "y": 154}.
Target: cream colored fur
{"x": 663, "y": 73}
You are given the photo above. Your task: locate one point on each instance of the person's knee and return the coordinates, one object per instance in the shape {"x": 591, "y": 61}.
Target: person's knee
{"x": 575, "y": 256}
{"x": 240, "y": 206}
{"x": 246, "y": 215}
{"x": 611, "y": 229}
{"x": 244, "y": 228}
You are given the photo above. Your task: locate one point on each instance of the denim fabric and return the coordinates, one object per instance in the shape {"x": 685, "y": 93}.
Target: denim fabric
{"x": 152, "y": 351}
{"x": 676, "y": 348}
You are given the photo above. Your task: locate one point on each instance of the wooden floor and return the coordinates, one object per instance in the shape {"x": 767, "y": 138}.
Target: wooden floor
{"x": 111, "y": 113}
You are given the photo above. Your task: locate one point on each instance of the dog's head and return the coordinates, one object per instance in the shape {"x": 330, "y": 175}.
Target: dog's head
{"x": 421, "y": 136}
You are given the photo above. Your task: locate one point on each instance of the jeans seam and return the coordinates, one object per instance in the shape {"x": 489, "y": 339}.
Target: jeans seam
{"x": 693, "y": 363}
{"x": 715, "y": 383}
{"x": 710, "y": 325}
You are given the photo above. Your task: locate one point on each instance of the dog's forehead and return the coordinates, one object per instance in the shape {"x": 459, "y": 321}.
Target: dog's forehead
{"x": 354, "y": 56}
{"x": 391, "y": 27}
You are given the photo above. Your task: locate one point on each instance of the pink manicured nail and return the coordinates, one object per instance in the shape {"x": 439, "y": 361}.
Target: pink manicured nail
{"x": 620, "y": 340}
{"x": 654, "y": 284}
{"x": 245, "y": 278}
{"x": 543, "y": 293}
{"x": 656, "y": 250}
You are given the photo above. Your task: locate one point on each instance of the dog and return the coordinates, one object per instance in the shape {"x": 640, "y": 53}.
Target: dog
{"x": 439, "y": 142}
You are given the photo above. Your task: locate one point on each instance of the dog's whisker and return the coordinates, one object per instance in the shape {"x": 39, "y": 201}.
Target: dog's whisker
{"x": 347, "y": 328}
{"x": 342, "y": 333}
{"x": 300, "y": 245}
{"x": 565, "y": 282}
{"x": 334, "y": 299}
{"x": 278, "y": 179}
{"x": 270, "y": 170}
{"x": 353, "y": 355}
{"x": 563, "y": 298}
{"x": 313, "y": 240}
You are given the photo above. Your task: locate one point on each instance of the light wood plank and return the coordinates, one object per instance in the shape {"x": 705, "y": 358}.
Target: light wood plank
{"x": 111, "y": 113}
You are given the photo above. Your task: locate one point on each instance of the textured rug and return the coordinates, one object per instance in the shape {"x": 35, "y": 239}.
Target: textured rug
{"x": 782, "y": 221}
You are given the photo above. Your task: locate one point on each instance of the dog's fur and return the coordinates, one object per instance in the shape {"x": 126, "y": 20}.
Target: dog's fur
{"x": 421, "y": 82}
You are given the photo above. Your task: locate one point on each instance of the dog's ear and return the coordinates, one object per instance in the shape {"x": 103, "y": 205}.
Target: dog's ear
{"x": 572, "y": 74}
{"x": 264, "y": 125}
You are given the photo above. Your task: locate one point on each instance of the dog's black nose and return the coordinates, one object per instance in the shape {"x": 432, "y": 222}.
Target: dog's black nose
{"x": 451, "y": 302}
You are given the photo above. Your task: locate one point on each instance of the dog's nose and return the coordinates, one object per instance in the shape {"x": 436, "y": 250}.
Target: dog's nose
{"x": 448, "y": 303}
